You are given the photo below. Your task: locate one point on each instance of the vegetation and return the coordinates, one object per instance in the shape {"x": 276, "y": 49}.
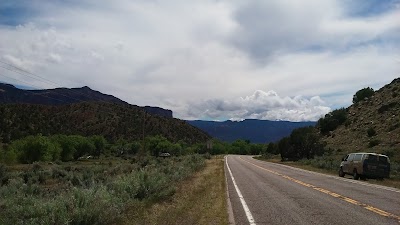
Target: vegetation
{"x": 112, "y": 121}
{"x": 200, "y": 200}
{"x": 371, "y": 125}
{"x": 332, "y": 120}
{"x": 371, "y": 132}
{"x": 363, "y": 94}
{"x": 302, "y": 143}
{"x": 89, "y": 192}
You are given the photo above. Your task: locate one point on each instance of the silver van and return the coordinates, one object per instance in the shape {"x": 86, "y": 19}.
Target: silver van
{"x": 365, "y": 165}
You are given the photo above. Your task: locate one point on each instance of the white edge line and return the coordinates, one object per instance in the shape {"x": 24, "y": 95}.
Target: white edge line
{"x": 245, "y": 207}
{"x": 231, "y": 218}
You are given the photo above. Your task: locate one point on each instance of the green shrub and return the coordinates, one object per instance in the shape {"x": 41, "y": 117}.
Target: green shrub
{"x": 36, "y": 148}
{"x": 371, "y": 132}
{"x": 389, "y": 153}
{"x": 362, "y": 94}
{"x": 89, "y": 194}
{"x": 394, "y": 127}
{"x": 387, "y": 107}
{"x": 332, "y": 120}
{"x": 4, "y": 176}
{"x": 373, "y": 143}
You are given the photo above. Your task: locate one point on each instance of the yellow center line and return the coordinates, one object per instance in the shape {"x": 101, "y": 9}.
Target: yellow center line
{"x": 333, "y": 194}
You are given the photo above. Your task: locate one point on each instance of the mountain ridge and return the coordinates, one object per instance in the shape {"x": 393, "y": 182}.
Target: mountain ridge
{"x": 256, "y": 131}
{"x": 111, "y": 120}
{"x": 60, "y": 96}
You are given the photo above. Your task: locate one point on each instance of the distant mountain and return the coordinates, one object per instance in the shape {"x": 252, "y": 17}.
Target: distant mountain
{"x": 62, "y": 96}
{"x": 112, "y": 120}
{"x": 257, "y": 131}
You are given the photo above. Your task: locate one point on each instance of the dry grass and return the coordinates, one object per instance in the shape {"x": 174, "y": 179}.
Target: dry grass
{"x": 198, "y": 200}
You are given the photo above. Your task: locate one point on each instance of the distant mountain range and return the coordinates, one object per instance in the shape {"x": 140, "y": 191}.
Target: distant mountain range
{"x": 256, "y": 131}
{"x": 87, "y": 101}
{"x": 61, "y": 96}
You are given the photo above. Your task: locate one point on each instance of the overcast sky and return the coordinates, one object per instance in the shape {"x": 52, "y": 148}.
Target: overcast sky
{"x": 207, "y": 59}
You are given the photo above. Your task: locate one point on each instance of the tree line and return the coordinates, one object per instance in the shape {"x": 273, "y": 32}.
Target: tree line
{"x": 73, "y": 147}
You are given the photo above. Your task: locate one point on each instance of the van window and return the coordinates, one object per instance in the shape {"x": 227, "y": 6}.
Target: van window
{"x": 350, "y": 158}
{"x": 357, "y": 157}
{"x": 383, "y": 159}
{"x": 372, "y": 158}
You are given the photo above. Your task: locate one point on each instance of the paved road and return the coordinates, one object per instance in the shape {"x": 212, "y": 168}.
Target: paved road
{"x": 278, "y": 194}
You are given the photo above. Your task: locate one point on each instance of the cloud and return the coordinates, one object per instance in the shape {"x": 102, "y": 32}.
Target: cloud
{"x": 197, "y": 55}
{"x": 261, "y": 105}
{"x": 267, "y": 29}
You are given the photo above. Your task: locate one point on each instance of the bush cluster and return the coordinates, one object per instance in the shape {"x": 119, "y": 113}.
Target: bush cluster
{"x": 332, "y": 120}
{"x": 96, "y": 194}
{"x": 362, "y": 94}
{"x": 58, "y": 147}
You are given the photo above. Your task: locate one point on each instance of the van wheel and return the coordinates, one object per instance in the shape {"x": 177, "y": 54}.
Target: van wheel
{"x": 355, "y": 175}
{"x": 341, "y": 173}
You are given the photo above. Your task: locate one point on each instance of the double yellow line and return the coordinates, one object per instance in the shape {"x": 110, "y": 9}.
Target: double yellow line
{"x": 333, "y": 194}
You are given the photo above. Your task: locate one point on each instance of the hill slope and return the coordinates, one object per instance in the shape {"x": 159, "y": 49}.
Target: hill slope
{"x": 62, "y": 96}
{"x": 257, "y": 131}
{"x": 373, "y": 125}
{"x": 111, "y": 120}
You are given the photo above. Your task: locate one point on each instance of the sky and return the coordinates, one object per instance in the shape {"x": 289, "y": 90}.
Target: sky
{"x": 207, "y": 59}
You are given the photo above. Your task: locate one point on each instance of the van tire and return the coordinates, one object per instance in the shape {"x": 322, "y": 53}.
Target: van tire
{"x": 341, "y": 173}
{"x": 356, "y": 176}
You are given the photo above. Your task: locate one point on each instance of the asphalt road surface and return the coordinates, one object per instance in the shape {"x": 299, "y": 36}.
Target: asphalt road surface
{"x": 267, "y": 193}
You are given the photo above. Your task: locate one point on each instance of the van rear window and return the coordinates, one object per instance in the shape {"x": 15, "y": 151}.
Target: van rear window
{"x": 383, "y": 159}
{"x": 375, "y": 158}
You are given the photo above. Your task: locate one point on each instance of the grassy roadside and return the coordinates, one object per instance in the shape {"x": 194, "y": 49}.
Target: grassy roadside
{"x": 299, "y": 164}
{"x": 200, "y": 199}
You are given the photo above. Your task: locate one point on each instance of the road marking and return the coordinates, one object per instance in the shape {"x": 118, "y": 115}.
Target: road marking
{"x": 344, "y": 179}
{"x": 344, "y": 198}
{"x": 245, "y": 207}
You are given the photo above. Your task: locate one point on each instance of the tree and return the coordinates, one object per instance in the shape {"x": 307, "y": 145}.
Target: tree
{"x": 67, "y": 145}
{"x": 286, "y": 149}
{"x": 99, "y": 143}
{"x": 36, "y": 148}
{"x": 83, "y": 146}
{"x": 362, "y": 94}
{"x": 272, "y": 149}
{"x": 134, "y": 147}
{"x": 158, "y": 144}
{"x": 242, "y": 145}
{"x": 332, "y": 120}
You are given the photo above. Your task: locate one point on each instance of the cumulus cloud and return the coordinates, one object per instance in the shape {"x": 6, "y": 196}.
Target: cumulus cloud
{"x": 193, "y": 56}
{"x": 261, "y": 105}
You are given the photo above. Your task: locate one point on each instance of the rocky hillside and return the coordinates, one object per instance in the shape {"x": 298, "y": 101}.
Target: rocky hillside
{"x": 62, "y": 96}
{"x": 111, "y": 120}
{"x": 372, "y": 125}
